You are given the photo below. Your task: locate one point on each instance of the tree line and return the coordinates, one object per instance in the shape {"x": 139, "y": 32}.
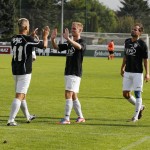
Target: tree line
{"x": 94, "y": 15}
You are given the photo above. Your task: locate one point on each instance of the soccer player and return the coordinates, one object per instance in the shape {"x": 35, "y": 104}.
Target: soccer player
{"x": 110, "y": 48}
{"x": 75, "y": 48}
{"x": 135, "y": 55}
{"x": 22, "y": 46}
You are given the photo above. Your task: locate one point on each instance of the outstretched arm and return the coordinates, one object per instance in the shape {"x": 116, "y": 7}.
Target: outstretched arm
{"x": 34, "y": 34}
{"x": 53, "y": 39}
{"x": 71, "y": 41}
{"x": 46, "y": 31}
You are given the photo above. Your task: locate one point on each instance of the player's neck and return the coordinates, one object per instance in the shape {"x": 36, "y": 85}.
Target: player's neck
{"x": 23, "y": 32}
{"x": 134, "y": 39}
{"x": 75, "y": 38}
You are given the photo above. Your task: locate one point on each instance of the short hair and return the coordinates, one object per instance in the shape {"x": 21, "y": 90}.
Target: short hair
{"x": 79, "y": 24}
{"x": 22, "y": 23}
{"x": 141, "y": 28}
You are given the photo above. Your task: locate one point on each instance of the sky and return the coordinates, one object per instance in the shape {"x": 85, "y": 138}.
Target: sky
{"x": 113, "y": 4}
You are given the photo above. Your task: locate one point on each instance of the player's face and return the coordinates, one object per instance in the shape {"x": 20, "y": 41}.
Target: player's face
{"x": 75, "y": 30}
{"x": 135, "y": 31}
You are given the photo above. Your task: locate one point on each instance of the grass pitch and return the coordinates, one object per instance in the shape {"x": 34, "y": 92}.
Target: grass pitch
{"x": 104, "y": 108}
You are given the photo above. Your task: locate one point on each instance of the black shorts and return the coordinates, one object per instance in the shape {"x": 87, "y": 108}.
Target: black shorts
{"x": 111, "y": 52}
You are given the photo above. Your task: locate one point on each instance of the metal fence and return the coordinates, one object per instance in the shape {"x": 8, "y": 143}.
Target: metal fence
{"x": 96, "y": 44}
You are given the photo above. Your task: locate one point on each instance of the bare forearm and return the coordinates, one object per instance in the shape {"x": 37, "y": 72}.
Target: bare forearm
{"x": 75, "y": 44}
{"x": 123, "y": 66}
{"x": 54, "y": 44}
{"x": 146, "y": 66}
{"x": 46, "y": 31}
{"x": 45, "y": 42}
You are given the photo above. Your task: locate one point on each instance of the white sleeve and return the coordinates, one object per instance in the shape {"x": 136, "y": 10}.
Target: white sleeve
{"x": 33, "y": 55}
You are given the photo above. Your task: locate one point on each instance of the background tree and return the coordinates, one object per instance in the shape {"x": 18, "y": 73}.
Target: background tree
{"x": 139, "y": 10}
{"x": 124, "y": 24}
{"x": 7, "y": 17}
{"x": 40, "y": 12}
{"x": 94, "y": 16}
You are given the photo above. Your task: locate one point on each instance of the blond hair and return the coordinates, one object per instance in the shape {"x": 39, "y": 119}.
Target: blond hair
{"x": 78, "y": 24}
{"x": 22, "y": 24}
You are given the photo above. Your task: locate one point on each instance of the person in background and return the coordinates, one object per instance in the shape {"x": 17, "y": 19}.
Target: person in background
{"x": 135, "y": 56}
{"x": 22, "y": 47}
{"x": 111, "y": 47}
{"x": 75, "y": 48}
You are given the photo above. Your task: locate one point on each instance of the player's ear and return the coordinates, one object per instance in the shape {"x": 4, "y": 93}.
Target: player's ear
{"x": 25, "y": 28}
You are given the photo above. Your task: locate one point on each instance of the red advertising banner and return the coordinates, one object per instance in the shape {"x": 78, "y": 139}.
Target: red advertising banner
{"x": 5, "y": 50}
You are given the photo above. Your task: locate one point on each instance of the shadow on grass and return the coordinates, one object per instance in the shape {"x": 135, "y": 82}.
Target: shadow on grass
{"x": 120, "y": 125}
{"x": 22, "y": 119}
{"x": 113, "y": 122}
{"x": 4, "y": 68}
{"x": 89, "y": 121}
{"x": 105, "y": 97}
{"x": 101, "y": 97}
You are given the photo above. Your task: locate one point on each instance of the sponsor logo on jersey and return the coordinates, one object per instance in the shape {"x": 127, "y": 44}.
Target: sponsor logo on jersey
{"x": 17, "y": 40}
{"x": 131, "y": 50}
{"x": 135, "y": 45}
{"x": 71, "y": 51}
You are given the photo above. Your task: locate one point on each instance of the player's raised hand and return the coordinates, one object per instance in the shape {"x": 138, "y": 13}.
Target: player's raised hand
{"x": 66, "y": 34}
{"x": 46, "y": 31}
{"x": 34, "y": 34}
{"x": 54, "y": 34}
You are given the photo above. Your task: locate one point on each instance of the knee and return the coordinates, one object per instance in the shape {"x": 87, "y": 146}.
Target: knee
{"x": 137, "y": 94}
{"x": 74, "y": 96}
{"x": 20, "y": 96}
{"x": 68, "y": 94}
{"x": 126, "y": 95}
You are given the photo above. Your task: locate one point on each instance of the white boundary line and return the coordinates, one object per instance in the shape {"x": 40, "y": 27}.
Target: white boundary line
{"x": 136, "y": 143}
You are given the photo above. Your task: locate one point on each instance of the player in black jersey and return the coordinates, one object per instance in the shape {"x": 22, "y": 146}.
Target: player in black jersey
{"x": 22, "y": 47}
{"x": 135, "y": 55}
{"x": 75, "y": 48}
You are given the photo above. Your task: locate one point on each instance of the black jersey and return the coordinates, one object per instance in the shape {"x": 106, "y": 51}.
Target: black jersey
{"x": 74, "y": 57}
{"x": 135, "y": 52}
{"x": 22, "y": 47}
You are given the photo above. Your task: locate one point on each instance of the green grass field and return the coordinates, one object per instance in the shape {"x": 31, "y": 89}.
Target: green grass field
{"x": 104, "y": 108}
